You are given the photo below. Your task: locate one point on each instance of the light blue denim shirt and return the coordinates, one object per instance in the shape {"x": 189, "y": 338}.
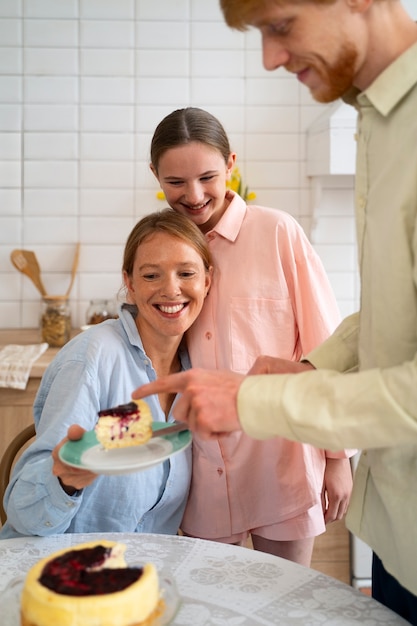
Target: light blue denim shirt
{"x": 97, "y": 369}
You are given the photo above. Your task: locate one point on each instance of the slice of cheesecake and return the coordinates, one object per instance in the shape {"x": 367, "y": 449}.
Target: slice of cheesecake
{"x": 124, "y": 425}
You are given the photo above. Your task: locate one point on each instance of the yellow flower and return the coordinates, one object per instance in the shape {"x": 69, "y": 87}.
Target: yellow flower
{"x": 235, "y": 183}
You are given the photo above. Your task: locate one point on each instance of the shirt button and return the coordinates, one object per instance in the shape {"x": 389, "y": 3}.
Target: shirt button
{"x": 211, "y": 236}
{"x": 208, "y": 335}
{"x": 219, "y": 471}
{"x": 48, "y": 524}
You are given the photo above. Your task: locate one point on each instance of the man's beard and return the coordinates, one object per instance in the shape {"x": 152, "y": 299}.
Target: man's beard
{"x": 337, "y": 78}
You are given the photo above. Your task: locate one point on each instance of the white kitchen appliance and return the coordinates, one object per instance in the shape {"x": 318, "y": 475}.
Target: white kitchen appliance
{"x": 360, "y": 556}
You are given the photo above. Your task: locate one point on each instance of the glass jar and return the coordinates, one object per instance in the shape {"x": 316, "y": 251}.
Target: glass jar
{"x": 55, "y": 320}
{"x": 100, "y": 310}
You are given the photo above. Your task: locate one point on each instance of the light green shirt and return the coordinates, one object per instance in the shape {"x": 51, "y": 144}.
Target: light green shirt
{"x": 372, "y": 405}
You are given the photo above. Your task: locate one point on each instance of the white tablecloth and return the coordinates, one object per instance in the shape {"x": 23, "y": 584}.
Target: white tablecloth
{"x": 222, "y": 585}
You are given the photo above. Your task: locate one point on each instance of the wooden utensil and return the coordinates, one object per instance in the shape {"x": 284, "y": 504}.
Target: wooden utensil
{"x": 74, "y": 268}
{"x": 27, "y": 263}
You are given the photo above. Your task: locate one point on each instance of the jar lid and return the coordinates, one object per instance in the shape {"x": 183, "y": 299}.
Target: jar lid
{"x": 53, "y": 298}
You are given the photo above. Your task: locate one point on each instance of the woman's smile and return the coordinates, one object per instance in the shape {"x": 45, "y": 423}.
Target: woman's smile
{"x": 171, "y": 309}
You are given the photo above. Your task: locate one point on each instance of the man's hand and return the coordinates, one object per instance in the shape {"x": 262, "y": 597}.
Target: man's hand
{"x": 208, "y": 400}
{"x": 71, "y": 478}
{"x": 274, "y": 365}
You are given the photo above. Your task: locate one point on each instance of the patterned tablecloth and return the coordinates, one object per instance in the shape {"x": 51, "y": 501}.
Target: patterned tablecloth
{"x": 218, "y": 585}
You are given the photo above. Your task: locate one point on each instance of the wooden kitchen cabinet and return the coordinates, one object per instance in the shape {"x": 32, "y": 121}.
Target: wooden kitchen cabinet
{"x": 16, "y": 411}
{"x": 331, "y": 554}
{"x": 16, "y": 404}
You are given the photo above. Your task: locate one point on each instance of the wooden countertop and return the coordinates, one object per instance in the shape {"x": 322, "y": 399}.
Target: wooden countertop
{"x": 25, "y": 336}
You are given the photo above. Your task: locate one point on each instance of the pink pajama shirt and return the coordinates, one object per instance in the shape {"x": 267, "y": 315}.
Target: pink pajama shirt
{"x": 270, "y": 295}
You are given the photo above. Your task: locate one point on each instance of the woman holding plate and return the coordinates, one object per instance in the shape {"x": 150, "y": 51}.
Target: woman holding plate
{"x": 167, "y": 274}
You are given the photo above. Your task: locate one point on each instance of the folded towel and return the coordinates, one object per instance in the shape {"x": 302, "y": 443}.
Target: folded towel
{"x": 16, "y": 362}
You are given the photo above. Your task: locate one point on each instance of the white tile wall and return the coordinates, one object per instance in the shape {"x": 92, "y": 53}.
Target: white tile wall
{"x": 83, "y": 84}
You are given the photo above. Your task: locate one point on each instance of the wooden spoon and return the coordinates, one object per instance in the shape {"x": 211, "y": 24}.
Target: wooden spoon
{"x": 27, "y": 263}
{"x": 74, "y": 268}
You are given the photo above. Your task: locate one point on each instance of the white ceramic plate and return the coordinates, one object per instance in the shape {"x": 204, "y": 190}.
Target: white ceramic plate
{"x": 87, "y": 453}
{"x": 10, "y": 600}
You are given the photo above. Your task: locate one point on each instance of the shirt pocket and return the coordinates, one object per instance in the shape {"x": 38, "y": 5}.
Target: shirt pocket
{"x": 261, "y": 326}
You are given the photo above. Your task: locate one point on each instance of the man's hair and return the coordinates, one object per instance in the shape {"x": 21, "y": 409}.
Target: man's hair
{"x": 240, "y": 13}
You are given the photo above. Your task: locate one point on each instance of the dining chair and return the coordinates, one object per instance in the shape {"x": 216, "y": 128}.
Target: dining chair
{"x": 8, "y": 459}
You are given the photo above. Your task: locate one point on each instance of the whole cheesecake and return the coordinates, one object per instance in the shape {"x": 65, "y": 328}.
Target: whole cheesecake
{"x": 90, "y": 585}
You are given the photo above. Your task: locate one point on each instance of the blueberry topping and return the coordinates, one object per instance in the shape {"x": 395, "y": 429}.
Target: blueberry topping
{"x": 131, "y": 408}
{"x": 73, "y": 573}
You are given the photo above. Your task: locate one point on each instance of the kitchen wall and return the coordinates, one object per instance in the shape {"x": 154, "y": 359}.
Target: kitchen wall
{"x": 83, "y": 84}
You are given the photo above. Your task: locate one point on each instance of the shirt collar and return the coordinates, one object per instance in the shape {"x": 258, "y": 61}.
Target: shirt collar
{"x": 230, "y": 222}
{"x": 391, "y": 86}
{"x": 127, "y": 315}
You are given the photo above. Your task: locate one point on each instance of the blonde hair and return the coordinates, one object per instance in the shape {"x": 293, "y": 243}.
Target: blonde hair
{"x": 170, "y": 222}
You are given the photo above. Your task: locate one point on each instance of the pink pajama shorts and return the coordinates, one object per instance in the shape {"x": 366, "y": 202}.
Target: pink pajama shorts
{"x": 310, "y": 523}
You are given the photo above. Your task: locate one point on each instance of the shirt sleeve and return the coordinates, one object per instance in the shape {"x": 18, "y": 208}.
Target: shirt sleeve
{"x": 34, "y": 500}
{"x": 340, "y": 351}
{"x": 40, "y": 506}
{"x": 368, "y": 409}
{"x": 316, "y": 309}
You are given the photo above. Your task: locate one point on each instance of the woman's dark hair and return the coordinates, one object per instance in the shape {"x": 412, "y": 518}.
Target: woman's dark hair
{"x": 184, "y": 126}
{"x": 170, "y": 222}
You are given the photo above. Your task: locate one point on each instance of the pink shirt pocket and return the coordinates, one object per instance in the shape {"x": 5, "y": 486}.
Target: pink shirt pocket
{"x": 262, "y": 326}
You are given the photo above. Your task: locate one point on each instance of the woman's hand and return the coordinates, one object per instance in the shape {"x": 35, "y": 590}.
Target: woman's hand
{"x": 337, "y": 488}
{"x": 71, "y": 479}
